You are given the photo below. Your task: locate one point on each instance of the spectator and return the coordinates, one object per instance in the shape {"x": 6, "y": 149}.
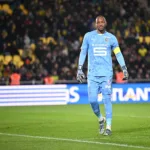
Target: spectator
{"x": 57, "y": 28}
{"x": 15, "y": 78}
{"x": 142, "y": 51}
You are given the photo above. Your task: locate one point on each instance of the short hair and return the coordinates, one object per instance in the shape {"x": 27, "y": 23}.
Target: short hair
{"x": 100, "y": 16}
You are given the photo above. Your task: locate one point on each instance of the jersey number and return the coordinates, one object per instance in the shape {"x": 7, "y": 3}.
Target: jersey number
{"x": 99, "y": 51}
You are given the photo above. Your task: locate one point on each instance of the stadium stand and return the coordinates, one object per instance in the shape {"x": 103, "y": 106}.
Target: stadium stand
{"x": 41, "y": 36}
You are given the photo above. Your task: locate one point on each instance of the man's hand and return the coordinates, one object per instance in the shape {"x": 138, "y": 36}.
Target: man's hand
{"x": 80, "y": 75}
{"x": 125, "y": 73}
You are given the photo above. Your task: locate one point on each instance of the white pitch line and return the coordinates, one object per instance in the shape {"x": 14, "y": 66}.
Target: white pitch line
{"x": 75, "y": 140}
{"x": 133, "y": 116}
{"x": 130, "y": 116}
{"x": 118, "y": 137}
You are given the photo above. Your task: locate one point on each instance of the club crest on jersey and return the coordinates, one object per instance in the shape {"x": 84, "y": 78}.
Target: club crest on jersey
{"x": 106, "y": 39}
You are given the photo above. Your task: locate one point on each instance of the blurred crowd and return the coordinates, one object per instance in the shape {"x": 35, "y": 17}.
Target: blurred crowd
{"x": 41, "y": 38}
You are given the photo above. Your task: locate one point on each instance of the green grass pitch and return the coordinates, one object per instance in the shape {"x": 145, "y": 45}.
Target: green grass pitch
{"x": 73, "y": 127}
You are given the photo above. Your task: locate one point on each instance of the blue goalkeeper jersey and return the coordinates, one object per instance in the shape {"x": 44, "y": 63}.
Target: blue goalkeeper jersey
{"x": 99, "y": 48}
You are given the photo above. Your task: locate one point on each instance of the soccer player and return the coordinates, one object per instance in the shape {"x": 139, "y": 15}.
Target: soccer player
{"x": 99, "y": 44}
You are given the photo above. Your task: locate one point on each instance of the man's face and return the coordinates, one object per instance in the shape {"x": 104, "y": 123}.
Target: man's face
{"x": 100, "y": 24}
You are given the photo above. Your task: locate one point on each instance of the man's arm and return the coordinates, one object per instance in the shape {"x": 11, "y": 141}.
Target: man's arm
{"x": 82, "y": 57}
{"x": 83, "y": 51}
{"x": 121, "y": 61}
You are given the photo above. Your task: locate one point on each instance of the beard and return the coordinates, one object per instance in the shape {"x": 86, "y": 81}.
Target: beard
{"x": 101, "y": 29}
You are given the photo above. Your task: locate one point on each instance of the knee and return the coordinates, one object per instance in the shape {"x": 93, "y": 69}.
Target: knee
{"x": 107, "y": 98}
{"x": 92, "y": 98}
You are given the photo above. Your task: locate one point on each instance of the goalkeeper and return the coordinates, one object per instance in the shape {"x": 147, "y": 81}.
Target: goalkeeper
{"x": 99, "y": 44}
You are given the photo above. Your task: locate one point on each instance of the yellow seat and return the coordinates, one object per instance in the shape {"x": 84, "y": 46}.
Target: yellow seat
{"x": 140, "y": 39}
{"x": 33, "y": 57}
{"x": 1, "y": 58}
{"x": 20, "y": 64}
{"x": 43, "y": 40}
{"x": 21, "y": 7}
{"x": 55, "y": 78}
{"x": 5, "y": 7}
{"x": 16, "y": 59}
{"x": 20, "y": 51}
{"x": 51, "y": 40}
{"x": 7, "y": 59}
{"x": 33, "y": 46}
{"x": 147, "y": 40}
{"x": 48, "y": 40}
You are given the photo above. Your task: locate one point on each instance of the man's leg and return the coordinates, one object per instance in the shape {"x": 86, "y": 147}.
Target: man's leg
{"x": 93, "y": 90}
{"x": 106, "y": 92}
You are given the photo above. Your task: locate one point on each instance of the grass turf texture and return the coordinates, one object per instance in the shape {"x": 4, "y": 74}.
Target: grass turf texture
{"x": 73, "y": 127}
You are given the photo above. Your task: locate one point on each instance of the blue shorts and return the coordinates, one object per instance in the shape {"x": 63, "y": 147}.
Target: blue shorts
{"x": 99, "y": 85}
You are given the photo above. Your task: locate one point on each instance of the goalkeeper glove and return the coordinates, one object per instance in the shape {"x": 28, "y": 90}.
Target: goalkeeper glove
{"x": 125, "y": 73}
{"x": 80, "y": 75}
